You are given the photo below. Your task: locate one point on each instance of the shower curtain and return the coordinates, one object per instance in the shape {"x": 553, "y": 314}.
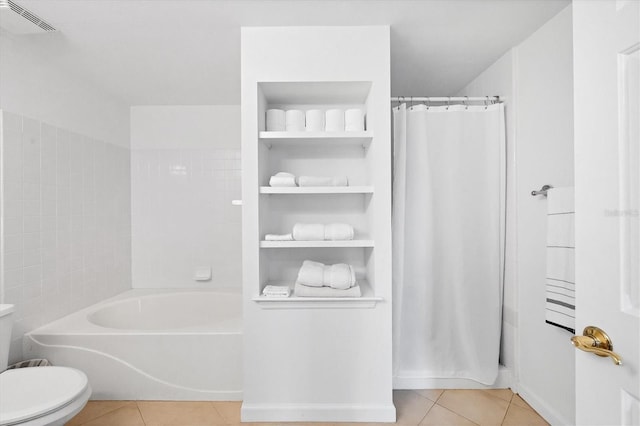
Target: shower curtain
{"x": 448, "y": 234}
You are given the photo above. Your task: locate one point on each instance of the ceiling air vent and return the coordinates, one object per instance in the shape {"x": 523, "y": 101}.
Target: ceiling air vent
{"x": 18, "y": 20}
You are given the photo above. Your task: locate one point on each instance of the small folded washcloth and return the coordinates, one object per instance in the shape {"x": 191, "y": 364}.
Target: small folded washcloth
{"x": 301, "y": 290}
{"x": 276, "y": 291}
{"x": 320, "y": 232}
{"x": 282, "y": 179}
{"x": 278, "y": 237}
{"x": 315, "y": 274}
{"x": 323, "y": 181}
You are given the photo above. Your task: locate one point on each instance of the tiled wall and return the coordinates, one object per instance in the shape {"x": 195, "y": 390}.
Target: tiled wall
{"x": 65, "y": 222}
{"x": 182, "y": 216}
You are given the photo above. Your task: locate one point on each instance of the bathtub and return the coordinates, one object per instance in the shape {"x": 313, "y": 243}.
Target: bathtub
{"x": 151, "y": 345}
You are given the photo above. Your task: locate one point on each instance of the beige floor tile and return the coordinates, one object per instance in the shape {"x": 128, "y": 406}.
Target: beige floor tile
{"x": 517, "y": 400}
{"x": 95, "y": 409}
{"x": 432, "y": 394}
{"x": 229, "y": 410}
{"x": 160, "y": 413}
{"x": 440, "y": 416}
{"x": 410, "y": 407}
{"x": 123, "y": 416}
{"x": 505, "y": 394}
{"x": 478, "y": 407}
{"x": 519, "y": 416}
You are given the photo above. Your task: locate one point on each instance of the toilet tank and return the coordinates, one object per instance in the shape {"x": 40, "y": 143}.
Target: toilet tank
{"x": 6, "y": 321}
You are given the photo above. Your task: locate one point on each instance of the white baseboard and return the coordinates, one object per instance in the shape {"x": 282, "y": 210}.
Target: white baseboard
{"x": 504, "y": 380}
{"x": 538, "y": 404}
{"x": 318, "y": 413}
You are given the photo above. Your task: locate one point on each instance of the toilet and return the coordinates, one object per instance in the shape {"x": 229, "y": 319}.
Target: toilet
{"x": 38, "y": 396}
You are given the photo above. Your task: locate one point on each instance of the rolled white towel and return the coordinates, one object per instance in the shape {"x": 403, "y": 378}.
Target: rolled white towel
{"x": 301, "y": 290}
{"x": 276, "y": 120}
{"x": 315, "y": 274}
{"x": 311, "y": 274}
{"x": 308, "y": 232}
{"x": 334, "y": 121}
{"x": 282, "y": 179}
{"x": 278, "y": 237}
{"x": 354, "y": 120}
{"x": 339, "y": 276}
{"x": 276, "y": 291}
{"x": 323, "y": 181}
{"x": 338, "y": 232}
{"x": 314, "y": 121}
{"x": 295, "y": 120}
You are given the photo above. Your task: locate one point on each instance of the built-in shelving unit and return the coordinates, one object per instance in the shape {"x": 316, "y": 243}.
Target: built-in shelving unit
{"x": 316, "y": 68}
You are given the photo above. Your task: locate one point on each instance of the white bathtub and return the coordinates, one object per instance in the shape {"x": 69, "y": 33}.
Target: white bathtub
{"x": 151, "y": 344}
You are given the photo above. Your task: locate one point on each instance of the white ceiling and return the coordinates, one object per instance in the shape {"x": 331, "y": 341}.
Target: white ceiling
{"x": 186, "y": 52}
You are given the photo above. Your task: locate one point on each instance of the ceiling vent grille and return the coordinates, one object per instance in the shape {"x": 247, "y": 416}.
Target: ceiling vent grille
{"x": 18, "y": 20}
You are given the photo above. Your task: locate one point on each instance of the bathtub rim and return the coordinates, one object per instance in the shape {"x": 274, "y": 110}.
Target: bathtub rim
{"x": 78, "y": 323}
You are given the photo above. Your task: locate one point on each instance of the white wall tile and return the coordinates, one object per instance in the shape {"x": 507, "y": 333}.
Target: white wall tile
{"x": 66, "y": 213}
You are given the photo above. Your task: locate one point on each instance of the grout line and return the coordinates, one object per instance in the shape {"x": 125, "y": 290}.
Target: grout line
{"x": 144, "y": 422}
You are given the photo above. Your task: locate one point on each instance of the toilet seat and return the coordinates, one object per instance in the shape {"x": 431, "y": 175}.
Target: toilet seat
{"x": 41, "y": 395}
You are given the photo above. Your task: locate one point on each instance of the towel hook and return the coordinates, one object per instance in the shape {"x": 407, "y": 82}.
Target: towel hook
{"x": 466, "y": 103}
{"x": 541, "y": 191}
{"x": 448, "y": 102}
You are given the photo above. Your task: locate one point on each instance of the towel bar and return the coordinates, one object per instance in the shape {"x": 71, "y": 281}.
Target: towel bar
{"x": 541, "y": 191}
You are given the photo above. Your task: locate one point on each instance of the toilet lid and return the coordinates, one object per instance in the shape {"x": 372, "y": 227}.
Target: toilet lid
{"x": 26, "y": 393}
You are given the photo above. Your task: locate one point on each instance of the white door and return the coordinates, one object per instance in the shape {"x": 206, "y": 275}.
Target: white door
{"x": 607, "y": 156}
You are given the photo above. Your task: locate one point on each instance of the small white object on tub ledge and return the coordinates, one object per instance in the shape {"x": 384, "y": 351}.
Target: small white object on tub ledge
{"x": 236, "y": 202}
{"x": 202, "y": 273}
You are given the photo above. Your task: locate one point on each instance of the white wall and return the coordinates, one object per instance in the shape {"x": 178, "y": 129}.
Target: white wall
{"x": 65, "y": 186}
{"x": 536, "y": 79}
{"x": 185, "y": 170}
{"x": 34, "y": 85}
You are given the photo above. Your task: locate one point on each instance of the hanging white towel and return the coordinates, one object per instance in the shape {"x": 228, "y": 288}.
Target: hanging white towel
{"x": 560, "y": 285}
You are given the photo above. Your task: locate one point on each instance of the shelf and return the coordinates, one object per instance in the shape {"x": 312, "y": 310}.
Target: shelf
{"x": 270, "y": 139}
{"x": 312, "y": 244}
{"x": 367, "y": 300}
{"x": 316, "y": 190}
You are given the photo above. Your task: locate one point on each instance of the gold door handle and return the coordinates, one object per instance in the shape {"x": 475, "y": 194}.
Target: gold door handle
{"x": 595, "y": 340}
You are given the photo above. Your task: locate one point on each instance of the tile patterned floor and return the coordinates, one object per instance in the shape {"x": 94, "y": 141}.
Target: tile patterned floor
{"x": 432, "y": 407}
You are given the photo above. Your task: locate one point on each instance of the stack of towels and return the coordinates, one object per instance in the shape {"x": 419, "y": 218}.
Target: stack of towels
{"x": 315, "y": 232}
{"x": 316, "y": 279}
{"x": 284, "y": 179}
{"x": 315, "y": 120}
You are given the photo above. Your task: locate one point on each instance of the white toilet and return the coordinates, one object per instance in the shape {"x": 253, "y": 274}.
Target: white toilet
{"x": 38, "y": 396}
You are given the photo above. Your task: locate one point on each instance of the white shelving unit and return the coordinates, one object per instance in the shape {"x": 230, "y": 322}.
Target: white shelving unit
{"x": 280, "y": 69}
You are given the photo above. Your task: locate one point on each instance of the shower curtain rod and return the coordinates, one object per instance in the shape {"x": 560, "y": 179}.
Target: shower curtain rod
{"x": 445, "y": 99}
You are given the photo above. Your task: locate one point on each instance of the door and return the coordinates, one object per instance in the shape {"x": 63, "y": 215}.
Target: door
{"x": 607, "y": 159}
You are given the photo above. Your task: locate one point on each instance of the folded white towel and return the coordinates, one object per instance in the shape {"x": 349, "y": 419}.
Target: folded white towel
{"x": 314, "y": 120}
{"x": 276, "y": 120}
{"x": 315, "y": 274}
{"x": 301, "y": 290}
{"x": 282, "y": 179}
{"x": 338, "y": 232}
{"x": 308, "y": 232}
{"x": 311, "y": 273}
{"x": 319, "y": 232}
{"x": 323, "y": 181}
{"x": 295, "y": 120}
{"x": 354, "y": 120}
{"x": 334, "y": 121}
{"x": 276, "y": 291}
{"x": 278, "y": 237}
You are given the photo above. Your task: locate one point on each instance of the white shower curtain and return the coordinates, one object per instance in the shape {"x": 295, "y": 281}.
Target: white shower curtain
{"x": 448, "y": 233}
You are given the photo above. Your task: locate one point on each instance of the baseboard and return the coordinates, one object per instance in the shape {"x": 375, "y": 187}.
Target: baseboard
{"x": 317, "y": 413}
{"x": 548, "y": 413}
{"x": 504, "y": 380}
